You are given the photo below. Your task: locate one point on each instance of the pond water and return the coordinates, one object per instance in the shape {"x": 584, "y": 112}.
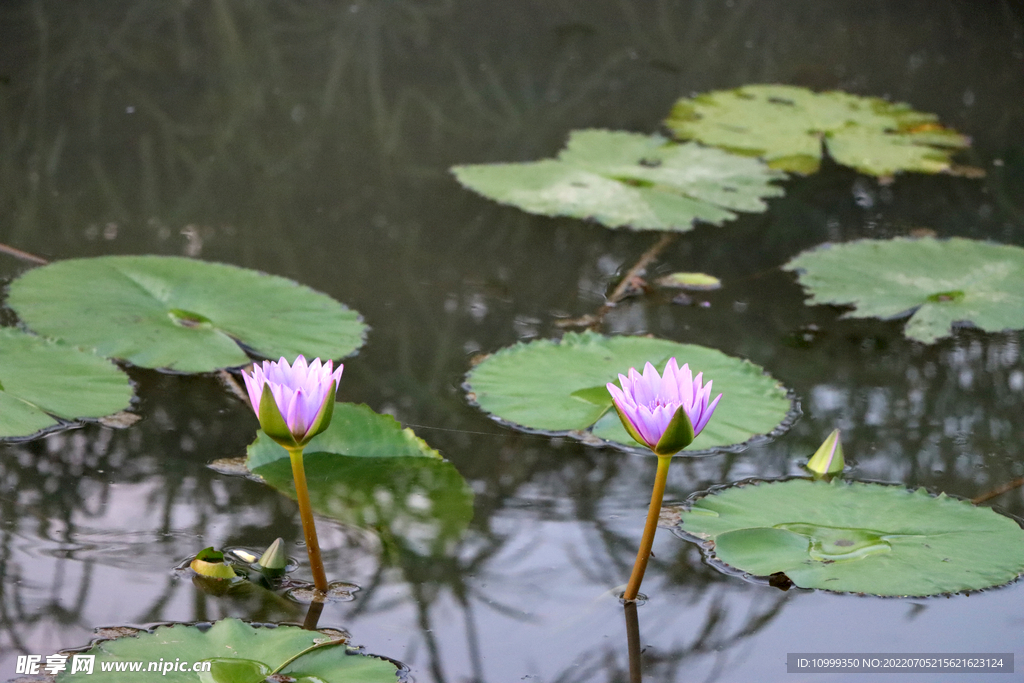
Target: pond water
{"x": 311, "y": 139}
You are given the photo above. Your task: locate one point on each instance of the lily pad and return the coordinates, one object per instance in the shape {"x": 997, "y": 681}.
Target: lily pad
{"x": 938, "y": 283}
{"x": 367, "y": 471}
{"x": 628, "y": 180}
{"x": 789, "y": 126}
{"x": 237, "y": 653}
{"x": 44, "y": 384}
{"x": 181, "y": 315}
{"x": 558, "y": 387}
{"x": 857, "y": 537}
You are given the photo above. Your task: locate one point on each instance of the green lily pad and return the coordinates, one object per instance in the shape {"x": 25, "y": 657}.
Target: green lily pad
{"x": 367, "y": 471}
{"x": 237, "y": 653}
{"x": 44, "y": 384}
{"x": 939, "y": 283}
{"x": 556, "y": 387}
{"x": 857, "y": 537}
{"x": 628, "y": 180}
{"x": 181, "y": 315}
{"x": 788, "y": 126}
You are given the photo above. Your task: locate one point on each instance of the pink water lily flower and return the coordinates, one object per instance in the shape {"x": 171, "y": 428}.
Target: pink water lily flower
{"x": 294, "y": 402}
{"x": 665, "y": 413}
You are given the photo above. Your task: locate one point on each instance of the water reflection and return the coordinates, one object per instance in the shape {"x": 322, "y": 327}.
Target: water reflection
{"x": 312, "y": 140}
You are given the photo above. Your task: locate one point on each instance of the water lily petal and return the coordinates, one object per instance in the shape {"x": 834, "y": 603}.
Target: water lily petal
{"x": 302, "y": 392}
{"x": 664, "y": 412}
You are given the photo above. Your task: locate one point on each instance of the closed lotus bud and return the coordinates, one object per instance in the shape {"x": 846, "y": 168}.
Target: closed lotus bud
{"x": 274, "y": 560}
{"x": 828, "y": 459}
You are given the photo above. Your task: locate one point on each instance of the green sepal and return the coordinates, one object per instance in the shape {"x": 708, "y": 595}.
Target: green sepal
{"x": 828, "y": 459}
{"x": 323, "y": 416}
{"x": 628, "y": 426}
{"x": 678, "y": 435}
{"x": 272, "y": 422}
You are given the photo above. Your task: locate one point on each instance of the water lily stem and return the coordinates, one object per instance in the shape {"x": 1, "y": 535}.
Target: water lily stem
{"x": 308, "y": 525}
{"x": 653, "y": 514}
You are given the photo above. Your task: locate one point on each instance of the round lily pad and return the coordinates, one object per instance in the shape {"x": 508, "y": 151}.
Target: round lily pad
{"x": 856, "y": 537}
{"x": 558, "y": 387}
{"x": 789, "y": 127}
{"x": 367, "y": 471}
{"x": 180, "y": 314}
{"x": 938, "y": 283}
{"x": 629, "y": 180}
{"x": 236, "y": 652}
{"x": 44, "y": 384}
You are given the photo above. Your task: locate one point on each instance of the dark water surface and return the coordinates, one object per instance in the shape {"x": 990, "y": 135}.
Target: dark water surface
{"x": 311, "y": 139}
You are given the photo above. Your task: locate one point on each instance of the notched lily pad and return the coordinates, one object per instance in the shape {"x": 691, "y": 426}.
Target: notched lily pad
{"x": 44, "y": 384}
{"x": 789, "y": 127}
{"x": 628, "y": 180}
{"x": 232, "y": 651}
{"x": 558, "y": 387}
{"x": 856, "y": 537}
{"x": 367, "y": 471}
{"x": 180, "y": 314}
{"x": 939, "y": 284}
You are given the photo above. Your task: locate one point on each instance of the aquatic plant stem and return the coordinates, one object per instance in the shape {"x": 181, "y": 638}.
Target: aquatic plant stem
{"x": 308, "y": 525}
{"x": 633, "y": 643}
{"x": 653, "y": 514}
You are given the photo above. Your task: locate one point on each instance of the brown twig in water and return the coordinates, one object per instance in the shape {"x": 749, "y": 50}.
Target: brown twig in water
{"x": 23, "y": 255}
{"x": 594, "y": 320}
{"x": 999, "y": 490}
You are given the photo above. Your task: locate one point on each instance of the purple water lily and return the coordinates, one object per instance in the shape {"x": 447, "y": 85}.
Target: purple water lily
{"x": 295, "y": 403}
{"x": 301, "y": 398}
{"x": 665, "y": 413}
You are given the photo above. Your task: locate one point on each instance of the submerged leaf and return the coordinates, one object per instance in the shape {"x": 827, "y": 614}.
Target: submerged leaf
{"x": 629, "y": 180}
{"x": 552, "y": 386}
{"x": 938, "y": 283}
{"x": 180, "y": 314}
{"x": 857, "y": 537}
{"x": 367, "y": 471}
{"x": 788, "y": 127}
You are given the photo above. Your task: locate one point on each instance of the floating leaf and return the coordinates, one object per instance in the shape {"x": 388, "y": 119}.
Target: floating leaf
{"x": 43, "y": 383}
{"x": 787, "y": 126}
{"x": 238, "y": 653}
{"x": 857, "y": 537}
{"x": 629, "y": 180}
{"x": 939, "y": 283}
{"x": 180, "y": 314}
{"x": 367, "y": 471}
{"x": 692, "y": 281}
{"x": 554, "y": 387}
